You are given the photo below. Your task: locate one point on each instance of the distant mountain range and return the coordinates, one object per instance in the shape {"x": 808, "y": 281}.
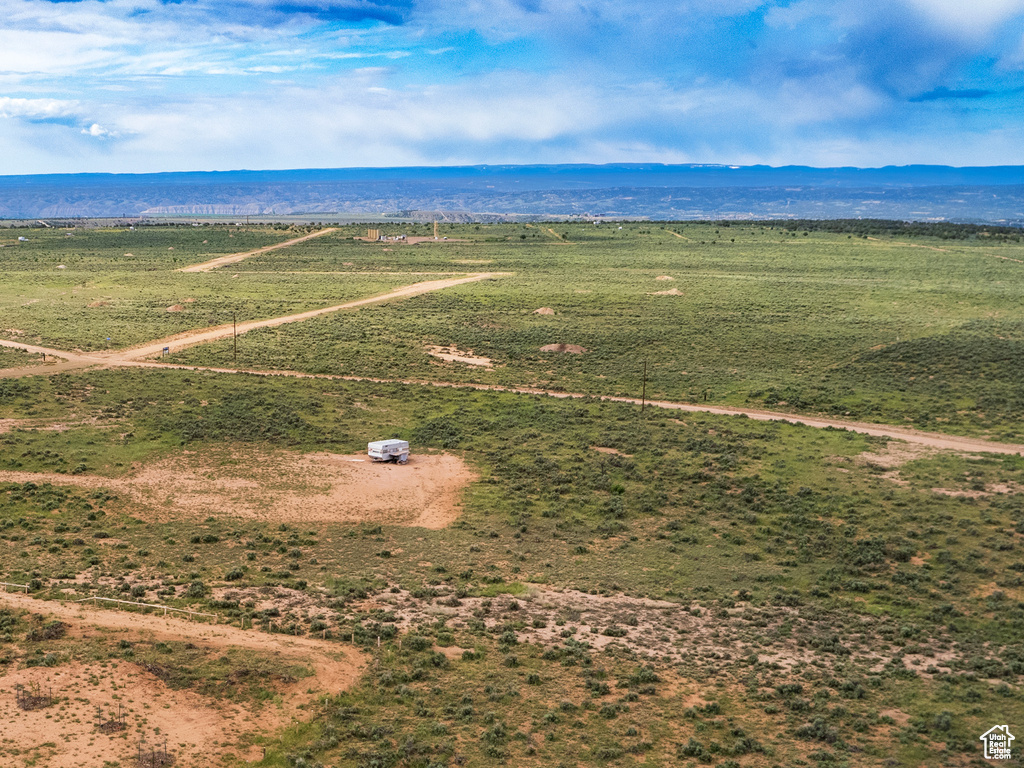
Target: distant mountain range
{"x": 500, "y": 192}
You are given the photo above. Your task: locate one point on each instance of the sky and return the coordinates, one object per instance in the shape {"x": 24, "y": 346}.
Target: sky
{"x": 133, "y": 86}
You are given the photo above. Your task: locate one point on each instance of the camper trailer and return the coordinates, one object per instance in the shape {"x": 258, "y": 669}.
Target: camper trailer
{"x": 388, "y": 450}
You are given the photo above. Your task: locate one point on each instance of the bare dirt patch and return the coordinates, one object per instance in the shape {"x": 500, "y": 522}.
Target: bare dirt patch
{"x": 962, "y": 494}
{"x": 572, "y": 349}
{"x": 664, "y": 277}
{"x": 544, "y": 311}
{"x": 287, "y": 486}
{"x": 175, "y": 308}
{"x": 453, "y": 354}
{"x": 669, "y": 292}
{"x": 894, "y": 454}
{"x": 97, "y": 304}
{"x": 611, "y": 451}
{"x": 199, "y": 730}
{"x": 196, "y": 728}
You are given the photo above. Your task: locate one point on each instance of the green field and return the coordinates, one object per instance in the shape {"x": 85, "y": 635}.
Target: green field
{"x": 707, "y": 590}
{"x": 894, "y": 329}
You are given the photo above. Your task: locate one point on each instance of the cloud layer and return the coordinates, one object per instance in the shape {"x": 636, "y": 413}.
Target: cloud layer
{"x": 144, "y": 85}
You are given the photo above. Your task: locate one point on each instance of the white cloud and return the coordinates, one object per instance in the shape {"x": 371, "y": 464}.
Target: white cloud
{"x": 37, "y": 108}
{"x": 972, "y": 17}
{"x": 97, "y": 131}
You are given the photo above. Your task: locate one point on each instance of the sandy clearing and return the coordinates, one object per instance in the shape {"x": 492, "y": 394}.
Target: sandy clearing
{"x": 196, "y": 727}
{"x": 610, "y": 451}
{"x": 455, "y": 355}
{"x": 234, "y": 258}
{"x": 669, "y": 292}
{"x": 285, "y": 486}
{"x": 664, "y": 278}
{"x": 544, "y": 311}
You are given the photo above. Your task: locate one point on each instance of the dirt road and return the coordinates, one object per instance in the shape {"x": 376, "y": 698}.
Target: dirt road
{"x": 225, "y": 331}
{"x": 338, "y": 666}
{"x": 74, "y": 360}
{"x": 930, "y": 439}
{"x": 234, "y": 258}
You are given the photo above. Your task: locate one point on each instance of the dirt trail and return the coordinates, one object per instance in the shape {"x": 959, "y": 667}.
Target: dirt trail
{"x": 204, "y": 335}
{"x": 225, "y": 331}
{"x": 233, "y": 258}
{"x": 337, "y": 666}
{"x": 68, "y": 361}
{"x": 930, "y": 439}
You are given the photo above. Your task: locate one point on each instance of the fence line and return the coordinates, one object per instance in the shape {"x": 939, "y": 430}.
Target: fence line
{"x": 164, "y": 608}
{"x": 9, "y": 584}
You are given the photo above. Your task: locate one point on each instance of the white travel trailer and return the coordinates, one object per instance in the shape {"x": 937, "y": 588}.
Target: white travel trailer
{"x": 388, "y": 450}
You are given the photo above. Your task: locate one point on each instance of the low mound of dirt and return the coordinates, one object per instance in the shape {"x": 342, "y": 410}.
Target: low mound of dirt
{"x": 287, "y": 486}
{"x": 664, "y": 277}
{"x": 188, "y": 301}
{"x": 175, "y": 308}
{"x": 544, "y": 311}
{"x": 572, "y": 349}
{"x": 669, "y": 292}
{"x": 95, "y": 304}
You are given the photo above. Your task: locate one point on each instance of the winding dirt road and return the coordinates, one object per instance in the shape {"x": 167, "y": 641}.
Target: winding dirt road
{"x": 234, "y": 258}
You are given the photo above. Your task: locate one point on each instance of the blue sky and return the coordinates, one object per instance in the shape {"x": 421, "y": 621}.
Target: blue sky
{"x": 144, "y": 85}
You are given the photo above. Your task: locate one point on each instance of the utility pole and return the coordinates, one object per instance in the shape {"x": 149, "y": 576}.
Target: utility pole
{"x": 234, "y": 334}
{"x": 643, "y": 394}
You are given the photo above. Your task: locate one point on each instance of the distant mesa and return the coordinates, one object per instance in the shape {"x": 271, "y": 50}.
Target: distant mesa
{"x": 572, "y": 349}
{"x": 664, "y": 277}
{"x": 175, "y": 308}
{"x": 544, "y": 311}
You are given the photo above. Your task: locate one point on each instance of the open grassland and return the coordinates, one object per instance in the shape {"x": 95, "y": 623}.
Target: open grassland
{"x": 109, "y": 289}
{"x": 921, "y": 331}
{"x": 604, "y": 587}
{"x": 710, "y": 590}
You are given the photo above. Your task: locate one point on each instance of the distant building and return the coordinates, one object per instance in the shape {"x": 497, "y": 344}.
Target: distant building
{"x": 373, "y": 234}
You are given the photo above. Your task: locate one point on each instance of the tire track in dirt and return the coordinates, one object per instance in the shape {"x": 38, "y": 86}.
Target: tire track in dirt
{"x": 930, "y": 439}
{"x": 220, "y": 261}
